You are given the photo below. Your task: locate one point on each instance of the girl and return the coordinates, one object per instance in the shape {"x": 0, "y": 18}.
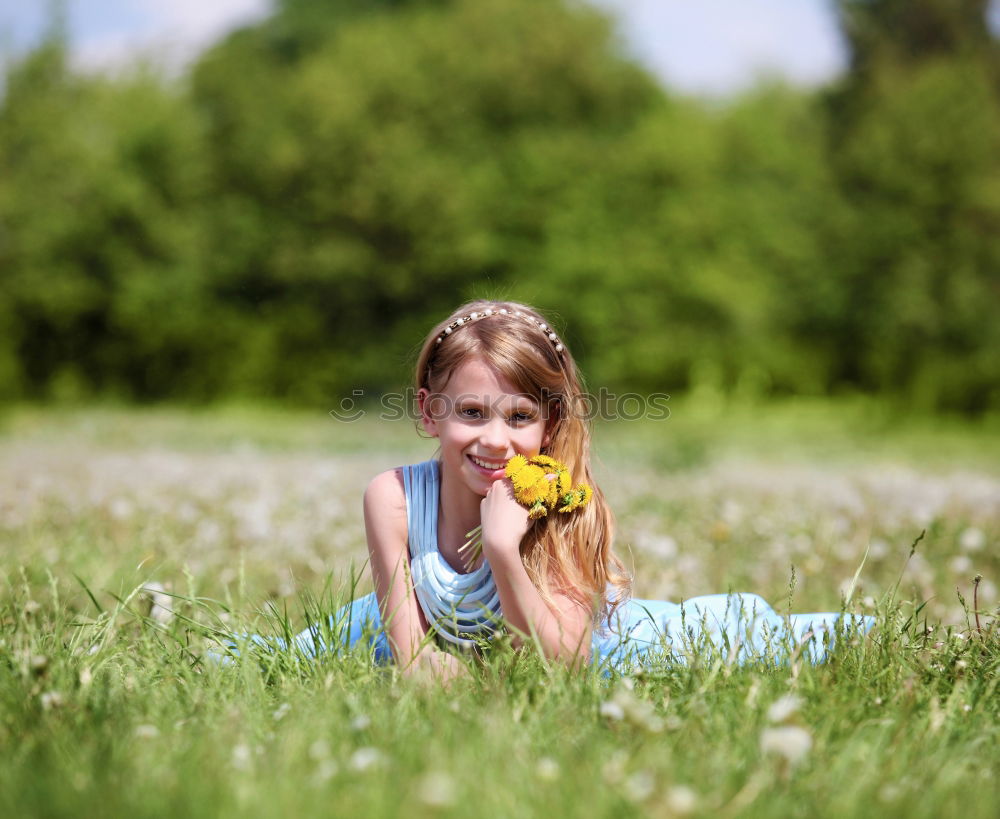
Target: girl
{"x": 493, "y": 380}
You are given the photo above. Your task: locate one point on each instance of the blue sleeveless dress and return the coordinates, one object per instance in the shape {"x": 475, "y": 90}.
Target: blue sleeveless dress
{"x": 740, "y": 627}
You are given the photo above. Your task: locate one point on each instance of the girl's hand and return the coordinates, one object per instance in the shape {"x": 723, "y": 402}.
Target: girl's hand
{"x": 436, "y": 666}
{"x": 504, "y": 520}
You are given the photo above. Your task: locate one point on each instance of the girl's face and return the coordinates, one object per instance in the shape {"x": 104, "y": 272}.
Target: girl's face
{"x": 482, "y": 422}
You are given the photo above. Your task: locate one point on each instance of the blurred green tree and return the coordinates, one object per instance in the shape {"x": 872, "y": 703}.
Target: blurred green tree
{"x": 691, "y": 251}
{"x": 286, "y": 220}
{"x": 911, "y": 32}
{"x": 372, "y": 180}
{"x": 916, "y": 147}
{"x": 99, "y": 251}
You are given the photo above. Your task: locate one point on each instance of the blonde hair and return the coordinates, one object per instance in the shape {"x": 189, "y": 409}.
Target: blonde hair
{"x": 569, "y": 554}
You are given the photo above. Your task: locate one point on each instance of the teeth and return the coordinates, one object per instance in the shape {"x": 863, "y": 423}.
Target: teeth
{"x": 487, "y": 464}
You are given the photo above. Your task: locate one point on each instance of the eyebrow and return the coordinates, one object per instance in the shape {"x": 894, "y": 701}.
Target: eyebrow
{"x": 521, "y": 404}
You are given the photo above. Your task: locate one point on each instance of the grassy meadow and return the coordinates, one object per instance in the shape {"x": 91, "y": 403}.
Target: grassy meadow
{"x": 130, "y": 537}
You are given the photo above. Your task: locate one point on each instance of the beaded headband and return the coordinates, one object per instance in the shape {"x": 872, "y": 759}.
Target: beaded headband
{"x": 489, "y": 311}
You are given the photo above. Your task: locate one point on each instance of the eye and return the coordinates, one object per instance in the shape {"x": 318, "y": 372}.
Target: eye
{"x": 470, "y": 412}
{"x": 522, "y": 417}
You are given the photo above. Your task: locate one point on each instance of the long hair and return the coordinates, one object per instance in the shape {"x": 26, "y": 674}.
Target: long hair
{"x": 569, "y": 554}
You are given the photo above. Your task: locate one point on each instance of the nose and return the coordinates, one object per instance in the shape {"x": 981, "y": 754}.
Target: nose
{"x": 493, "y": 436}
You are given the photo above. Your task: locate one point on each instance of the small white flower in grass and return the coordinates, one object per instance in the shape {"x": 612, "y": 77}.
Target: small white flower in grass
{"x": 625, "y": 705}
{"x": 32, "y": 608}
{"x": 436, "y": 789}
{"x": 972, "y": 539}
{"x": 660, "y": 545}
{"x": 643, "y": 715}
{"x": 146, "y": 732}
{"x": 547, "y": 769}
{"x": 50, "y": 700}
{"x": 281, "y": 712}
{"x": 967, "y": 708}
{"x": 681, "y": 800}
{"x": 120, "y": 508}
{"x": 879, "y": 549}
{"x": 614, "y": 769}
{"x": 960, "y": 564}
{"x": 639, "y": 786}
{"x": 326, "y": 769}
{"x": 366, "y": 759}
{"x": 320, "y": 749}
{"x": 612, "y": 710}
{"x": 783, "y": 709}
{"x": 360, "y": 722}
{"x": 790, "y": 742}
{"x": 86, "y": 676}
{"x": 160, "y": 609}
{"x": 242, "y": 756}
{"x": 38, "y": 663}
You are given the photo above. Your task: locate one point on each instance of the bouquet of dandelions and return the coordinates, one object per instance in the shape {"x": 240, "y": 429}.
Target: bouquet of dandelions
{"x": 541, "y": 484}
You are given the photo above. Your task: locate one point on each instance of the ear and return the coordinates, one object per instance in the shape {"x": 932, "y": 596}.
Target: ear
{"x": 426, "y": 415}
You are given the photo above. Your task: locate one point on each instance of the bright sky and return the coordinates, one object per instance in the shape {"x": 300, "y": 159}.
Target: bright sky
{"x": 700, "y": 46}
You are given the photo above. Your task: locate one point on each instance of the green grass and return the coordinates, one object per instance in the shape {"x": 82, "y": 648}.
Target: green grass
{"x": 250, "y": 519}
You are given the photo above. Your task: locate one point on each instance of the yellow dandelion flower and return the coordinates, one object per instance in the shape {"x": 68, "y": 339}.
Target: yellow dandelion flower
{"x": 525, "y": 475}
{"x": 538, "y": 510}
{"x": 545, "y": 460}
{"x": 515, "y": 465}
{"x": 537, "y": 492}
{"x": 570, "y": 501}
{"x": 552, "y": 493}
{"x": 563, "y": 482}
{"x": 531, "y": 483}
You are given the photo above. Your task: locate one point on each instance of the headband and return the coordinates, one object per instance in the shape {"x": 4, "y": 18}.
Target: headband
{"x": 503, "y": 311}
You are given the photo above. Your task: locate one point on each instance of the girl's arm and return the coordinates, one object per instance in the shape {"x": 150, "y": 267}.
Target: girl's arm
{"x": 404, "y": 622}
{"x": 562, "y": 630}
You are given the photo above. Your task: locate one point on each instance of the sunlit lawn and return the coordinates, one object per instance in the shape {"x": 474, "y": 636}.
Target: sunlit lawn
{"x": 247, "y": 518}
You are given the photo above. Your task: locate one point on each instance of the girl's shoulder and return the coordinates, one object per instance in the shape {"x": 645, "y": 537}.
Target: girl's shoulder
{"x": 386, "y": 492}
{"x": 390, "y": 485}
{"x": 386, "y": 489}
{"x": 385, "y": 510}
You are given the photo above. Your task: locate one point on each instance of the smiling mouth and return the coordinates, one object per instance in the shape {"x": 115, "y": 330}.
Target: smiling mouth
{"x": 493, "y": 466}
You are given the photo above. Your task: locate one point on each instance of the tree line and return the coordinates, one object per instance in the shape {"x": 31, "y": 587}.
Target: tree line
{"x": 286, "y": 219}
